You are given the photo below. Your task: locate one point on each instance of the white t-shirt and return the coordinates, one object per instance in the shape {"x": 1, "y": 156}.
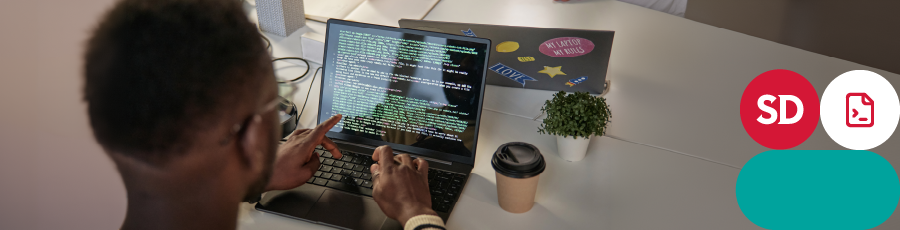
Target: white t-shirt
{"x": 676, "y": 7}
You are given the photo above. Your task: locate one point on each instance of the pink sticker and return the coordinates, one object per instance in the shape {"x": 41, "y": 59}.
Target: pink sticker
{"x": 567, "y": 47}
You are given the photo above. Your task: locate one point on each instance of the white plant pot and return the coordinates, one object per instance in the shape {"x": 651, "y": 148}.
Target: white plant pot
{"x": 572, "y": 149}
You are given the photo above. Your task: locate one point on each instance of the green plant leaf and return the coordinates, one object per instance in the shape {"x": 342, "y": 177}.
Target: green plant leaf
{"x": 577, "y": 114}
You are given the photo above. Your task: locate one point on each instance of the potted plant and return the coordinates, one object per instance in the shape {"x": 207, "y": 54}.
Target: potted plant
{"x": 575, "y": 118}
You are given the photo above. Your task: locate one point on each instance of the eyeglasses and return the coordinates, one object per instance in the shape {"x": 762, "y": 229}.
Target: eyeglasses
{"x": 285, "y": 93}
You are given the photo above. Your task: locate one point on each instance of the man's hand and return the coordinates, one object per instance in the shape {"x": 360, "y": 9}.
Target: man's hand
{"x": 400, "y": 188}
{"x": 295, "y": 161}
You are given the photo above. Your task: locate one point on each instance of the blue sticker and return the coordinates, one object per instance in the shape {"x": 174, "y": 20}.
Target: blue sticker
{"x": 515, "y": 75}
{"x": 575, "y": 81}
{"x": 469, "y": 33}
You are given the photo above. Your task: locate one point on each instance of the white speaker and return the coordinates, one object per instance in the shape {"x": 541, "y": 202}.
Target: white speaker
{"x": 281, "y": 17}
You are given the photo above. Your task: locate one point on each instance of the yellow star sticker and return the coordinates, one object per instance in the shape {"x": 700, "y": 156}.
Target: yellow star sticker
{"x": 552, "y": 71}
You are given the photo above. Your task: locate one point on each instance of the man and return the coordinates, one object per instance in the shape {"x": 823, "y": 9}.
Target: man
{"x": 181, "y": 95}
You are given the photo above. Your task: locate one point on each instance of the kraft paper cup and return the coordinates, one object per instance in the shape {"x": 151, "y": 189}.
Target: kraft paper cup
{"x": 518, "y": 166}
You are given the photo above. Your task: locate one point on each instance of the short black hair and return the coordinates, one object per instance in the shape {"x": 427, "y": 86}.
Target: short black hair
{"x": 158, "y": 70}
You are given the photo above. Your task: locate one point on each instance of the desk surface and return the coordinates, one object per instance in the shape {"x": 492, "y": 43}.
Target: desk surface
{"x": 676, "y": 141}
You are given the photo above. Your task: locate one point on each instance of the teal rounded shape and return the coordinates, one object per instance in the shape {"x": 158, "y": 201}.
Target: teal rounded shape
{"x": 817, "y": 189}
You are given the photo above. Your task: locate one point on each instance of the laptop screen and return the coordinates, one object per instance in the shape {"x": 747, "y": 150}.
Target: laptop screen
{"x": 419, "y": 92}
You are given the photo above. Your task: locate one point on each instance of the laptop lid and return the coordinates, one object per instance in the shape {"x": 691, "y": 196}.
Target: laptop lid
{"x": 417, "y": 91}
{"x": 554, "y": 59}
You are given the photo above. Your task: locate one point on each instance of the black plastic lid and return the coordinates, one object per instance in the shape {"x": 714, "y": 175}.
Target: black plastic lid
{"x": 518, "y": 160}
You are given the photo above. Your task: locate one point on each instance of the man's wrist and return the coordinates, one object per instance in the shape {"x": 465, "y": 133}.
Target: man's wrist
{"x": 412, "y": 212}
{"x": 425, "y": 222}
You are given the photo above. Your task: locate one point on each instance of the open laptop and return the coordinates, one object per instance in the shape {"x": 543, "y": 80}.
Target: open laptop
{"x": 419, "y": 92}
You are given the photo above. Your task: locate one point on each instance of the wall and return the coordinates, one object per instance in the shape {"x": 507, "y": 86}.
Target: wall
{"x": 53, "y": 174}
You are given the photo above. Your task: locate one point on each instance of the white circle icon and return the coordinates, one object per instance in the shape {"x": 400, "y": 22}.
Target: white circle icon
{"x": 859, "y": 110}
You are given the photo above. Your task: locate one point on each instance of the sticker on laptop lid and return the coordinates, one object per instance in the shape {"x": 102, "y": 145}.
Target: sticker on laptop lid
{"x": 507, "y": 46}
{"x": 526, "y": 59}
{"x": 552, "y": 71}
{"x": 469, "y": 33}
{"x": 576, "y": 81}
{"x": 511, "y": 73}
{"x": 566, "y": 47}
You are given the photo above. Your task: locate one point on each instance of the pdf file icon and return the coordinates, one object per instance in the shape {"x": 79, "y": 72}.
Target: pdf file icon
{"x": 860, "y": 110}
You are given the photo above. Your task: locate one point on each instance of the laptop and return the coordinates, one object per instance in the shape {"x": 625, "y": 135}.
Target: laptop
{"x": 554, "y": 59}
{"x": 418, "y": 92}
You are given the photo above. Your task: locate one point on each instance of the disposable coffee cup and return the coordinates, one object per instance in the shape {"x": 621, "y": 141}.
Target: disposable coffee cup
{"x": 518, "y": 166}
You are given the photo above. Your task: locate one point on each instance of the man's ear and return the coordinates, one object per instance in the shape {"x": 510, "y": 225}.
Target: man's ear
{"x": 252, "y": 144}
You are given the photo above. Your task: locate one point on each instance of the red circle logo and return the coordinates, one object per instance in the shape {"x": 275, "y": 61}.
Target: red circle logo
{"x": 780, "y": 109}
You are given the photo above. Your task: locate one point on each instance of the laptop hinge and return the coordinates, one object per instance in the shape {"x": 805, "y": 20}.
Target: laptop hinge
{"x": 396, "y": 152}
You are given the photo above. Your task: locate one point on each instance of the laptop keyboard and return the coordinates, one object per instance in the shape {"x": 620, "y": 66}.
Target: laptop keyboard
{"x": 350, "y": 173}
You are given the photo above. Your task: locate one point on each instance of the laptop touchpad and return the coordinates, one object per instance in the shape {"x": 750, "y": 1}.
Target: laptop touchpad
{"x": 345, "y": 210}
{"x": 295, "y": 202}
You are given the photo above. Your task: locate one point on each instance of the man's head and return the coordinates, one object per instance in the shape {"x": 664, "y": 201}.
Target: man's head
{"x": 178, "y": 86}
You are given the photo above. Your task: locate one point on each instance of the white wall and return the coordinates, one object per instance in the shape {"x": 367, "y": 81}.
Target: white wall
{"x": 53, "y": 175}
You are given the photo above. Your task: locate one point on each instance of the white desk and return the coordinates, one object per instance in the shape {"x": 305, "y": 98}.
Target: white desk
{"x": 676, "y": 85}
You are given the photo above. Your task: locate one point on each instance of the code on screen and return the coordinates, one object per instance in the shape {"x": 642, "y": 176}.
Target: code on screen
{"x": 386, "y": 82}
